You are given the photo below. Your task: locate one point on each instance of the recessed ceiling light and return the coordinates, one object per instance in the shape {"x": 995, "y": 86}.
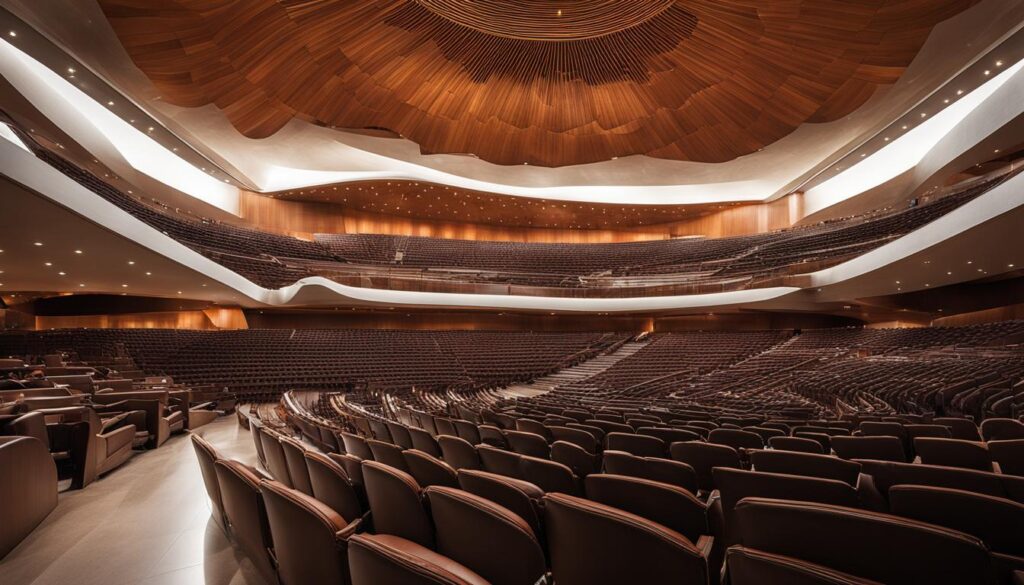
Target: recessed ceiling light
{"x": 12, "y": 34}
{"x": 110, "y": 103}
{"x": 37, "y": 243}
{"x": 71, "y": 69}
{"x": 999, "y": 63}
{"x": 959, "y": 92}
{"x": 923, "y": 114}
{"x": 78, "y": 251}
{"x": 1010, "y": 265}
{"x": 904, "y": 126}
{"x": 945, "y": 101}
{"x": 131, "y": 262}
{"x": 149, "y": 274}
{"x": 48, "y": 263}
{"x": 179, "y": 292}
{"x": 987, "y": 72}
{"x": 887, "y": 139}
{"x": 81, "y": 284}
{"x": 62, "y": 273}
{"x": 124, "y": 286}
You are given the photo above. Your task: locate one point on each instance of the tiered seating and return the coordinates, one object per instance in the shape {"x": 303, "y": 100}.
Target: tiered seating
{"x": 681, "y": 511}
{"x": 698, "y": 264}
{"x": 263, "y": 363}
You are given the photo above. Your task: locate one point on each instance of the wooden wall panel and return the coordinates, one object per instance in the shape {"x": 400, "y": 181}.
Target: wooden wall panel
{"x": 164, "y": 320}
{"x": 304, "y": 218}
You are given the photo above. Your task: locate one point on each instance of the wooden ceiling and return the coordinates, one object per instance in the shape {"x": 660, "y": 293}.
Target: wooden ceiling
{"x": 544, "y": 82}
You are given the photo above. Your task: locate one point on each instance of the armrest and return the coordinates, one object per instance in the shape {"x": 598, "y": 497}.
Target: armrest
{"x": 118, "y": 438}
{"x": 704, "y": 544}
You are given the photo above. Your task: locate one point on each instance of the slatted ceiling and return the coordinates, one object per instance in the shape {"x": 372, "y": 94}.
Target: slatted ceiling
{"x": 511, "y": 82}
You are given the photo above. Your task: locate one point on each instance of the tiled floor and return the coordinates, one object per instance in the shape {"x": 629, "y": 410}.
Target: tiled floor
{"x": 145, "y": 523}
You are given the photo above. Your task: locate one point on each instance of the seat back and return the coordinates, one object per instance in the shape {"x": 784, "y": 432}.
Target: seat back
{"x": 521, "y": 497}
{"x": 208, "y": 457}
{"x": 736, "y": 438}
{"x": 1009, "y": 454}
{"x": 806, "y": 464}
{"x": 960, "y": 428}
{"x": 703, "y": 457}
{"x": 400, "y": 435}
{"x": 467, "y": 431}
{"x": 331, "y": 485}
{"x": 670, "y": 435}
{"x": 796, "y": 444}
{"x": 424, "y": 441}
{"x": 666, "y": 504}
{"x": 529, "y": 425}
{"x": 639, "y": 445}
{"x": 1002, "y": 429}
{"x": 356, "y": 445}
{"x": 595, "y": 544}
{"x": 428, "y": 470}
{"x": 953, "y": 453}
{"x": 459, "y": 453}
{"x": 879, "y": 448}
{"x": 295, "y": 457}
{"x": 855, "y": 541}
{"x": 653, "y": 468}
{"x": 246, "y": 514}
{"x": 387, "y": 453}
{"x": 998, "y": 522}
{"x": 444, "y": 426}
{"x": 383, "y": 559}
{"x": 580, "y": 461}
{"x": 886, "y": 474}
{"x": 578, "y": 437}
{"x": 396, "y": 504}
{"x": 499, "y": 461}
{"x": 526, "y": 443}
{"x": 749, "y": 566}
{"x": 309, "y": 537}
{"x": 277, "y": 463}
{"x": 509, "y": 555}
{"x": 492, "y": 435}
{"x": 548, "y": 475}
{"x": 256, "y": 428}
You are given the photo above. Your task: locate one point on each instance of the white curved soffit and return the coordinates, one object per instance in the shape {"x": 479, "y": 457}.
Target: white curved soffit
{"x": 940, "y": 138}
{"x": 105, "y": 135}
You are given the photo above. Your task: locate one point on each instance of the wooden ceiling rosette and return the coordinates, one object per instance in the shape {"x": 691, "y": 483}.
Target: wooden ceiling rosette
{"x": 545, "y": 82}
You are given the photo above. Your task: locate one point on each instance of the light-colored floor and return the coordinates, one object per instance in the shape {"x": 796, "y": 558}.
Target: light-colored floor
{"x": 145, "y": 523}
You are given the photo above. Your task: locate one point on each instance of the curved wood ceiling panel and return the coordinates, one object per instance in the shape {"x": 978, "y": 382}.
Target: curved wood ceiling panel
{"x": 514, "y": 81}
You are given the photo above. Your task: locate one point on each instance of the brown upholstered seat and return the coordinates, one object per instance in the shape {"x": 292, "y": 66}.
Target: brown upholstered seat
{"x": 1009, "y": 455}
{"x": 384, "y": 559}
{"x": 870, "y": 545}
{"x": 580, "y": 461}
{"x": 486, "y": 537}
{"x": 295, "y": 458}
{"x": 595, "y": 544}
{"x": 806, "y": 464}
{"x": 246, "y": 514}
{"x": 400, "y": 435}
{"x": 703, "y": 457}
{"x": 388, "y": 454}
{"x": 310, "y": 539}
{"x": 356, "y": 445}
{"x": 666, "y": 504}
{"x": 255, "y": 428}
{"x": 467, "y": 431}
{"x": 526, "y": 443}
{"x": 396, "y": 504}
{"x": 1002, "y": 429}
{"x": 548, "y": 475}
{"x": 953, "y": 453}
{"x": 332, "y": 485}
{"x": 499, "y": 461}
{"x": 208, "y": 457}
{"x": 578, "y": 437}
{"x": 796, "y": 444}
{"x": 521, "y": 497}
{"x": 424, "y": 441}
{"x": 747, "y": 566}
{"x": 960, "y": 428}
{"x": 639, "y": 445}
{"x": 28, "y": 488}
{"x": 885, "y": 474}
{"x": 459, "y": 453}
{"x": 277, "y": 461}
{"x": 736, "y": 438}
{"x": 667, "y": 471}
{"x": 428, "y": 470}
{"x": 879, "y": 448}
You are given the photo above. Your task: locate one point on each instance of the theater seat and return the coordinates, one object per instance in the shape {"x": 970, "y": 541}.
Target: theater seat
{"x": 459, "y": 453}
{"x": 747, "y": 566}
{"x": 639, "y": 445}
{"x": 396, "y": 504}
{"x": 960, "y": 428}
{"x": 667, "y": 471}
{"x": 879, "y": 448}
{"x": 332, "y": 485}
{"x": 548, "y": 475}
{"x": 806, "y": 464}
{"x": 356, "y": 445}
{"x": 424, "y": 441}
{"x": 310, "y": 539}
{"x": 595, "y": 544}
{"x": 870, "y": 545}
{"x": 703, "y": 457}
{"x": 521, "y": 497}
{"x": 580, "y": 461}
{"x": 246, "y": 514}
{"x": 1009, "y": 455}
{"x": 208, "y": 457}
{"x": 399, "y": 435}
{"x": 383, "y": 559}
{"x": 499, "y": 461}
{"x": 486, "y": 537}
{"x": 796, "y": 444}
{"x": 668, "y": 505}
{"x": 428, "y": 470}
{"x": 387, "y": 454}
{"x": 295, "y": 457}
{"x": 578, "y": 437}
{"x": 530, "y": 444}
{"x": 953, "y": 453}
{"x": 1002, "y": 429}
{"x": 28, "y": 488}
{"x": 736, "y": 438}
{"x": 256, "y": 428}
{"x": 277, "y": 462}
